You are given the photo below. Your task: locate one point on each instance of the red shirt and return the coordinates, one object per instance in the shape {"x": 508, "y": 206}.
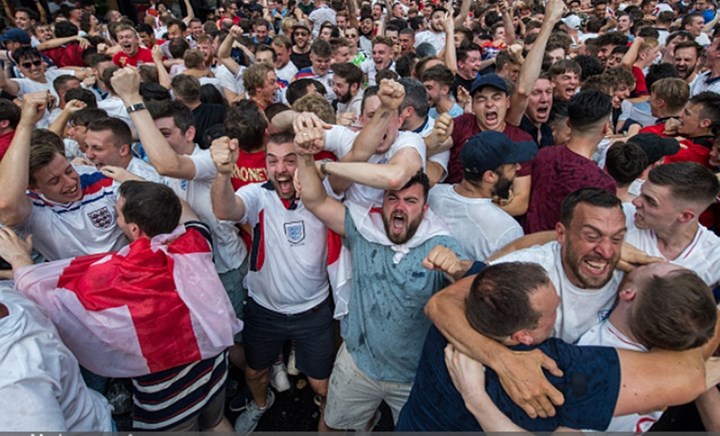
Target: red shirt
{"x": 640, "y": 85}
{"x": 465, "y": 127}
{"x": 5, "y": 141}
{"x": 556, "y": 172}
{"x": 143, "y": 55}
{"x": 70, "y": 55}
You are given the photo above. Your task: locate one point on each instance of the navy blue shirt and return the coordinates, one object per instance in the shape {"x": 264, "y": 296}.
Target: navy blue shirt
{"x": 590, "y": 385}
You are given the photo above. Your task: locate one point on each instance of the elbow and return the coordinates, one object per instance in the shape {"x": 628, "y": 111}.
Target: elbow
{"x": 432, "y": 309}
{"x": 398, "y": 177}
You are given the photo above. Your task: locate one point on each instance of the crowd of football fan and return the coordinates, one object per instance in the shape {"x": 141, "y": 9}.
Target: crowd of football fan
{"x": 487, "y": 214}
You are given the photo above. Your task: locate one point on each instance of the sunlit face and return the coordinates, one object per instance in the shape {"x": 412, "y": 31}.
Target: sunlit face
{"x": 685, "y": 61}
{"x": 101, "y": 149}
{"x": 129, "y": 41}
{"x": 382, "y": 56}
{"x": 341, "y": 55}
{"x": 540, "y": 101}
{"x": 58, "y": 181}
{"x": 566, "y": 84}
{"x": 591, "y": 244}
{"x": 691, "y": 122}
{"x": 490, "y": 106}
{"x": 23, "y": 21}
{"x": 655, "y": 208}
{"x": 320, "y": 65}
{"x": 402, "y": 213}
{"x": 208, "y": 51}
{"x": 301, "y": 37}
{"x": 377, "y": 11}
{"x": 196, "y": 29}
{"x": 325, "y": 33}
{"x": 623, "y": 23}
{"x": 32, "y": 67}
{"x": 341, "y": 22}
{"x": 695, "y": 27}
{"x": 171, "y": 132}
{"x": 351, "y": 35}
{"x": 281, "y": 162}
{"x": 470, "y": 67}
{"x": 43, "y": 33}
{"x": 393, "y": 35}
{"x": 366, "y": 26}
{"x": 406, "y": 41}
{"x": 556, "y": 55}
{"x": 266, "y": 57}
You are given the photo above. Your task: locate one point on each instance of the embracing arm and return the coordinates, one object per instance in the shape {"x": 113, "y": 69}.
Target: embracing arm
{"x": 8, "y": 85}
{"x": 520, "y": 373}
{"x": 518, "y": 205}
{"x": 328, "y": 210}
{"x": 391, "y": 176}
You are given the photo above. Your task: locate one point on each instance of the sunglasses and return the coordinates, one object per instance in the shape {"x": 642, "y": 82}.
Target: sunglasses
{"x": 301, "y": 34}
{"x": 29, "y": 65}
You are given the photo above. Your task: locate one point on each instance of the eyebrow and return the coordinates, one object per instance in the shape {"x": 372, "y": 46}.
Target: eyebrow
{"x": 595, "y": 229}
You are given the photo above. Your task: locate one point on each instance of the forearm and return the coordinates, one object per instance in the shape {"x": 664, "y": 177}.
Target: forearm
{"x": 708, "y": 405}
{"x": 631, "y": 55}
{"x": 56, "y": 42}
{"x": 381, "y": 176}
{"x": 312, "y": 191}
{"x": 366, "y": 142}
{"x": 14, "y": 176}
{"x": 8, "y": 85}
{"x": 163, "y": 75}
{"x": 509, "y": 28}
{"x": 58, "y": 125}
{"x": 225, "y": 48}
{"x": 223, "y": 199}
{"x": 526, "y": 241}
{"x": 464, "y": 11}
{"x": 450, "y": 52}
{"x": 487, "y": 414}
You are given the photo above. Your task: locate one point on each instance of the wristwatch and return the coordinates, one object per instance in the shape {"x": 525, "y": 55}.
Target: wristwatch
{"x": 136, "y": 107}
{"x": 322, "y": 166}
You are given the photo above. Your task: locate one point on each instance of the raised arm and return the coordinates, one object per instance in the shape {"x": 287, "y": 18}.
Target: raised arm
{"x": 450, "y": 54}
{"x": 507, "y": 22}
{"x": 163, "y": 75}
{"x": 58, "y": 42}
{"x": 391, "y": 95}
{"x": 226, "y": 205}
{"x": 190, "y": 12}
{"x": 632, "y": 54}
{"x": 60, "y": 122}
{"x": 530, "y": 70}
{"x": 464, "y": 11}
{"x": 328, "y": 210}
{"x": 520, "y": 373}
{"x": 15, "y": 206}
{"x": 126, "y": 83}
{"x": 225, "y": 50}
{"x": 352, "y": 13}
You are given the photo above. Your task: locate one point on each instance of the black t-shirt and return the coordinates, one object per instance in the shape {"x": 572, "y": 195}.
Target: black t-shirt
{"x": 207, "y": 115}
{"x": 459, "y": 81}
{"x": 301, "y": 60}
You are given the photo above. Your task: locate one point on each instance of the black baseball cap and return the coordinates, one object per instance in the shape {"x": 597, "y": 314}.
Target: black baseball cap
{"x": 486, "y": 151}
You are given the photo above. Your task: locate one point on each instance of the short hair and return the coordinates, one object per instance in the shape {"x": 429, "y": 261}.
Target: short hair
{"x": 153, "y": 207}
{"x": 283, "y": 41}
{"x": 587, "y": 108}
{"x": 265, "y": 47}
{"x": 498, "y": 304}
{"x": 25, "y": 52}
{"x": 348, "y": 71}
{"x": 298, "y": 88}
{"x": 9, "y": 111}
{"x": 674, "y": 312}
{"x": 503, "y": 58}
{"x": 589, "y": 65}
{"x": 386, "y": 73}
{"x": 281, "y": 138}
{"x": 688, "y": 19}
{"x": 177, "y": 47}
{"x": 321, "y": 48}
{"x": 148, "y": 73}
{"x": 419, "y": 178}
{"x": 416, "y": 96}
{"x": 145, "y": 28}
{"x": 369, "y": 92}
{"x": 406, "y": 63}
{"x": 30, "y": 13}
{"x": 107, "y": 76}
{"x": 611, "y": 38}
{"x": 182, "y": 115}
{"x": 675, "y": 92}
{"x": 316, "y": 104}
{"x": 599, "y": 82}
{"x": 595, "y": 197}
{"x": 210, "y": 94}
{"x": 193, "y": 58}
{"x": 41, "y": 154}
{"x": 382, "y": 40}
{"x": 254, "y": 76}
{"x": 64, "y": 29}
{"x": 83, "y": 117}
{"x": 687, "y": 181}
{"x": 336, "y": 43}
{"x": 620, "y": 76}
{"x": 186, "y": 87}
{"x": 625, "y": 161}
{"x": 153, "y": 91}
{"x": 440, "y": 74}
{"x": 121, "y": 133}
{"x": 659, "y": 71}
{"x": 464, "y": 50}
{"x": 710, "y": 105}
{"x": 563, "y": 66}
{"x": 62, "y": 80}
{"x": 559, "y": 40}
{"x": 176, "y": 22}
{"x": 45, "y": 136}
{"x": 81, "y": 94}
{"x": 245, "y": 122}
{"x": 688, "y": 44}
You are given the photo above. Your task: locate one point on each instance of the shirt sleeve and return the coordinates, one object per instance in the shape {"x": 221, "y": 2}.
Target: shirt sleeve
{"x": 204, "y": 166}
{"x": 339, "y": 140}
{"x": 413, "y": 140}
{"x": 30, "y": 405}
{"x": 250, "y": 196}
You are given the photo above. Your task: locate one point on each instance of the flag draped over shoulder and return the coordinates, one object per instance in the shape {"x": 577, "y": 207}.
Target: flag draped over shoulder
{"x": 154, "y": 305}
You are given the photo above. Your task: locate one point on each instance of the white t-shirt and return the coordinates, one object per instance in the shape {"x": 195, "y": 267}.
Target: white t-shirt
{"x": 605, "y": 334}
{"x": 478, "y": 224}
{"x": 41, "y": 388}
{"x": 233, "y": 82}
{"x": 27, "y": 86}
{"x": 370, "y": 69}
{"x": 580, "y": 309}
{"x": 443, "y": 158}
{"x": 143, "y": 169}
{"x": 115, "y": 107}
{"x": 319, "y": 16}
{"x": 702, "y": 83}
{"x": 339, "y": 140}
{"x": 288, "y": 272}
{"x": 287, "y": 73}
{"x": 228, "y": 246}
{"x": 436, "y": 39}
{"x": 87, "y": 226}
{"x": 701, "y": 256}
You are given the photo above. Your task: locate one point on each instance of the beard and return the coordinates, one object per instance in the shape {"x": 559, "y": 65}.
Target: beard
{"x": 344, "y": 98}
{"x": 502, "y": 187}
{"x": 409, "y": 231}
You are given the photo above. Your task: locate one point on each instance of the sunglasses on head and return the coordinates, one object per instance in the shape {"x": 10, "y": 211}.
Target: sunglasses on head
{"x": 30, "y": 64}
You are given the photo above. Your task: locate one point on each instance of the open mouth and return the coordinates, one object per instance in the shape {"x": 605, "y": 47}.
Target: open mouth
{"x": 284, "y": 184}
{"x": 543, "y": 111}
{"x": 597, "y": 267}
{"x": 397, "y": 222}
{"x": 491, "y": 117}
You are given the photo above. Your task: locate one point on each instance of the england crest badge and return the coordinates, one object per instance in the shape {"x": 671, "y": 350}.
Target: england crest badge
{"x": 101, "y": 218}
{"x": 295, "y": 232}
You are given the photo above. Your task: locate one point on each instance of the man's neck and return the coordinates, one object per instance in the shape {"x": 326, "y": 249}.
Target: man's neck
{"x": 582, "y": 145}
{"x": 415, "y": 123}
{"x": 469, "y": 190}
{"x": 618, "y": 319}
{"x": 465, "y": 76}
{"x": 444, "y": 104}
{"x": 673, "y": 241}
{"x": 301, "y": 50}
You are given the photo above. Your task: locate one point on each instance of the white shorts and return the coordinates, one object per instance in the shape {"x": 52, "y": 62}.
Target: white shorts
{"x": 353, "y": 397}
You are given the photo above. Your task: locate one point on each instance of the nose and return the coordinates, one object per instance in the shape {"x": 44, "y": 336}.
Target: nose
{"x": 605, "y": 248}
{"x": 637, "y": 202}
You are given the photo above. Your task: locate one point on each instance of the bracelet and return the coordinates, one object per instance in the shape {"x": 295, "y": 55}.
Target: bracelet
{"x": 136, "y": 107}
{"x": 322, "y": 166}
